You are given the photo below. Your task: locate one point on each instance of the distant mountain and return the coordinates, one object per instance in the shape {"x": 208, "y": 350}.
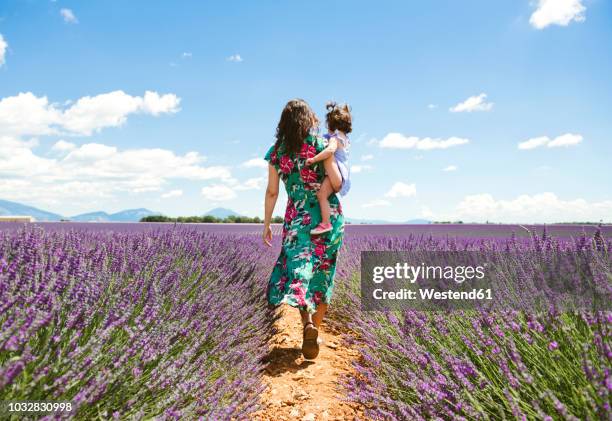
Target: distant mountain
{"x": 129, "y": 215}
{"x": 91, "y": 217}
{"x": 221, "y": 213}
{"x": 134, "y": 215}
{"x": 13, "y": 208}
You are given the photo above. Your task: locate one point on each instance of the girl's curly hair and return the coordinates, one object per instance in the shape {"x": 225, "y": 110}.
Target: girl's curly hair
{"x": 339, "y": 117}
{"x": 297, "y": 119}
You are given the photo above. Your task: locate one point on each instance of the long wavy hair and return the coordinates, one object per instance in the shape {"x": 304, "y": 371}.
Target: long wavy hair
{"x": 296, "y": 122}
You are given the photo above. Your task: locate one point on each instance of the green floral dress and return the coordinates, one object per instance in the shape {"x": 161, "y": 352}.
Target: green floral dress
{"x": 303, "y": 276}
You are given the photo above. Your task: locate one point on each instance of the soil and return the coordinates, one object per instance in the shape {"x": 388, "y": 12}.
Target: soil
{"x": 299, "y": 389}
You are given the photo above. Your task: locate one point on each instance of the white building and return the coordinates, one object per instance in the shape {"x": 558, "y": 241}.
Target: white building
{"x": 16, "y": 218}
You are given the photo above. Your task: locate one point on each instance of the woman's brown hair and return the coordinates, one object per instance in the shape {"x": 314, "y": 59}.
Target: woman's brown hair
{"x": 297, "y": 119}
{"x": 339, "y": 117}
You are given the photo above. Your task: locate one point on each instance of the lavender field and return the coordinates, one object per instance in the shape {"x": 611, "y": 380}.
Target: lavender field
{"x": 352, "y": 230}
{"x": 133, "y": 324}
{"x": 474, "y": 364}
{"x": 139, "y": 321}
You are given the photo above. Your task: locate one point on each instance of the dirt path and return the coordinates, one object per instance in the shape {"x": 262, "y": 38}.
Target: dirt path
{"x": 305, "y": 390}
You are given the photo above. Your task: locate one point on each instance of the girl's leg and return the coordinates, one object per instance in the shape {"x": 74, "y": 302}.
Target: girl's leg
{"x": 333, "y": 172}
{"x": 322, "y": 195}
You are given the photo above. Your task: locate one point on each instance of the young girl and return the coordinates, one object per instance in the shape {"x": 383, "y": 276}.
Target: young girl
{"x": 335, "y": 161}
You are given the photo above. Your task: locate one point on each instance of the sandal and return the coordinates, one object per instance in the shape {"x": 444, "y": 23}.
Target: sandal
{"x": 310, "y": 345}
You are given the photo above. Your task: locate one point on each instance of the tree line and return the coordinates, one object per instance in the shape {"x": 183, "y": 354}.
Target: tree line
{"x": 209, "y": 219}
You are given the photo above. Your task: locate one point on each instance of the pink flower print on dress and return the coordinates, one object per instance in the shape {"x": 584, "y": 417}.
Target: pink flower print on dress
{"x": 286, "y": 164}
{"x": 308, "y": 151}
{"x": 319, "y": 250}
{"x": 308, "y": 175}
{"x": 274, "y": 158}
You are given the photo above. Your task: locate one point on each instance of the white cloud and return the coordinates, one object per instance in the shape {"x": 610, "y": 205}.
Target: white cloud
{"x": 255, "y": 183}
{"x": 92, "y": 152}
{"x": 450, "y": 168}
{"x": 537, "y": 208}
{"x": 557, "y": 12}
{"x": 534, "y": 142}
{"x": 426, "y": 212}
{"x": 218, "y": 193}
{"x": 3, "y": 48}
{"x": 83, "y": 193}
{"x": 399, "y": 141}
{"x": 376, "y": 203}
{"x": 63, "y": 146}
{"x": 26, "y": 114}
{"x": 18, "y": 160}
{"x": 94, "y": 170}
{"x": 355, "y": 169}
{"x": 156, "y": 104}
{"x": 68, "y": 16}
{"x": 228, "y": 190}
{"x": 235, "y": 58}
{"x": 90, "y": 114}
{"x": 172, "y": 193}
{"x": 432, "y": 106}
{"x": 473, "y": 103}
{"x": 400, "y": 189}
{"x": 187, "y": 54}
{"x": 565, "y": 140}
{"x": 255, "y": 163}
{"x": 367, "y": 157}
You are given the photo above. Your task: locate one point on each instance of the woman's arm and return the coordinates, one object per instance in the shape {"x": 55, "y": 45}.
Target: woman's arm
{"x": 269, "y": 202}
{"x": 325, "y": 153}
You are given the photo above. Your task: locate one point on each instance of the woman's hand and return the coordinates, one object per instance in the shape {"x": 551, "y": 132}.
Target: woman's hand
{"x": 310, "y": 161}
{"x": 267, "y": 235}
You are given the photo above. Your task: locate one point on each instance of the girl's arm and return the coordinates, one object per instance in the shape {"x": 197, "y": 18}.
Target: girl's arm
{"x": 325, "y": 153}
{"x": 269, "y": 202}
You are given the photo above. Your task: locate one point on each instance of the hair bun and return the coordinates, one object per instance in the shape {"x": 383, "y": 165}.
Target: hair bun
{"x": 331, "y": 105}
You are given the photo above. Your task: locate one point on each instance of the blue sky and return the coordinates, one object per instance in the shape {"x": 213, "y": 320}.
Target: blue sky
{"x": 78, "y": 133}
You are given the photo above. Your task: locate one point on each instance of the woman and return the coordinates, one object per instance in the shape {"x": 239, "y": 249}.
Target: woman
{"x": 303, "y": 276}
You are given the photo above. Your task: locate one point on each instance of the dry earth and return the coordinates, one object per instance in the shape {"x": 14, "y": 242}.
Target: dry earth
{"x": 299, "y": 389}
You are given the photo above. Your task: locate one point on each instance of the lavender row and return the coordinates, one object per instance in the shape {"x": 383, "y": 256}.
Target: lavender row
{"x": 473, "y": 231}
{"x": 169, "y": 323}
{"x": 478, "y": 364}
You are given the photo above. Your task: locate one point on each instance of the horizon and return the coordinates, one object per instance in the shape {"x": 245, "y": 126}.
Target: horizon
{"x": 350, "y": 220}
{"x": 461, "y": 111}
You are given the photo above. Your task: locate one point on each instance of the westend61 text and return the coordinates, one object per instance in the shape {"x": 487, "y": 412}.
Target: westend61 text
{"x": 432, "y": 294}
